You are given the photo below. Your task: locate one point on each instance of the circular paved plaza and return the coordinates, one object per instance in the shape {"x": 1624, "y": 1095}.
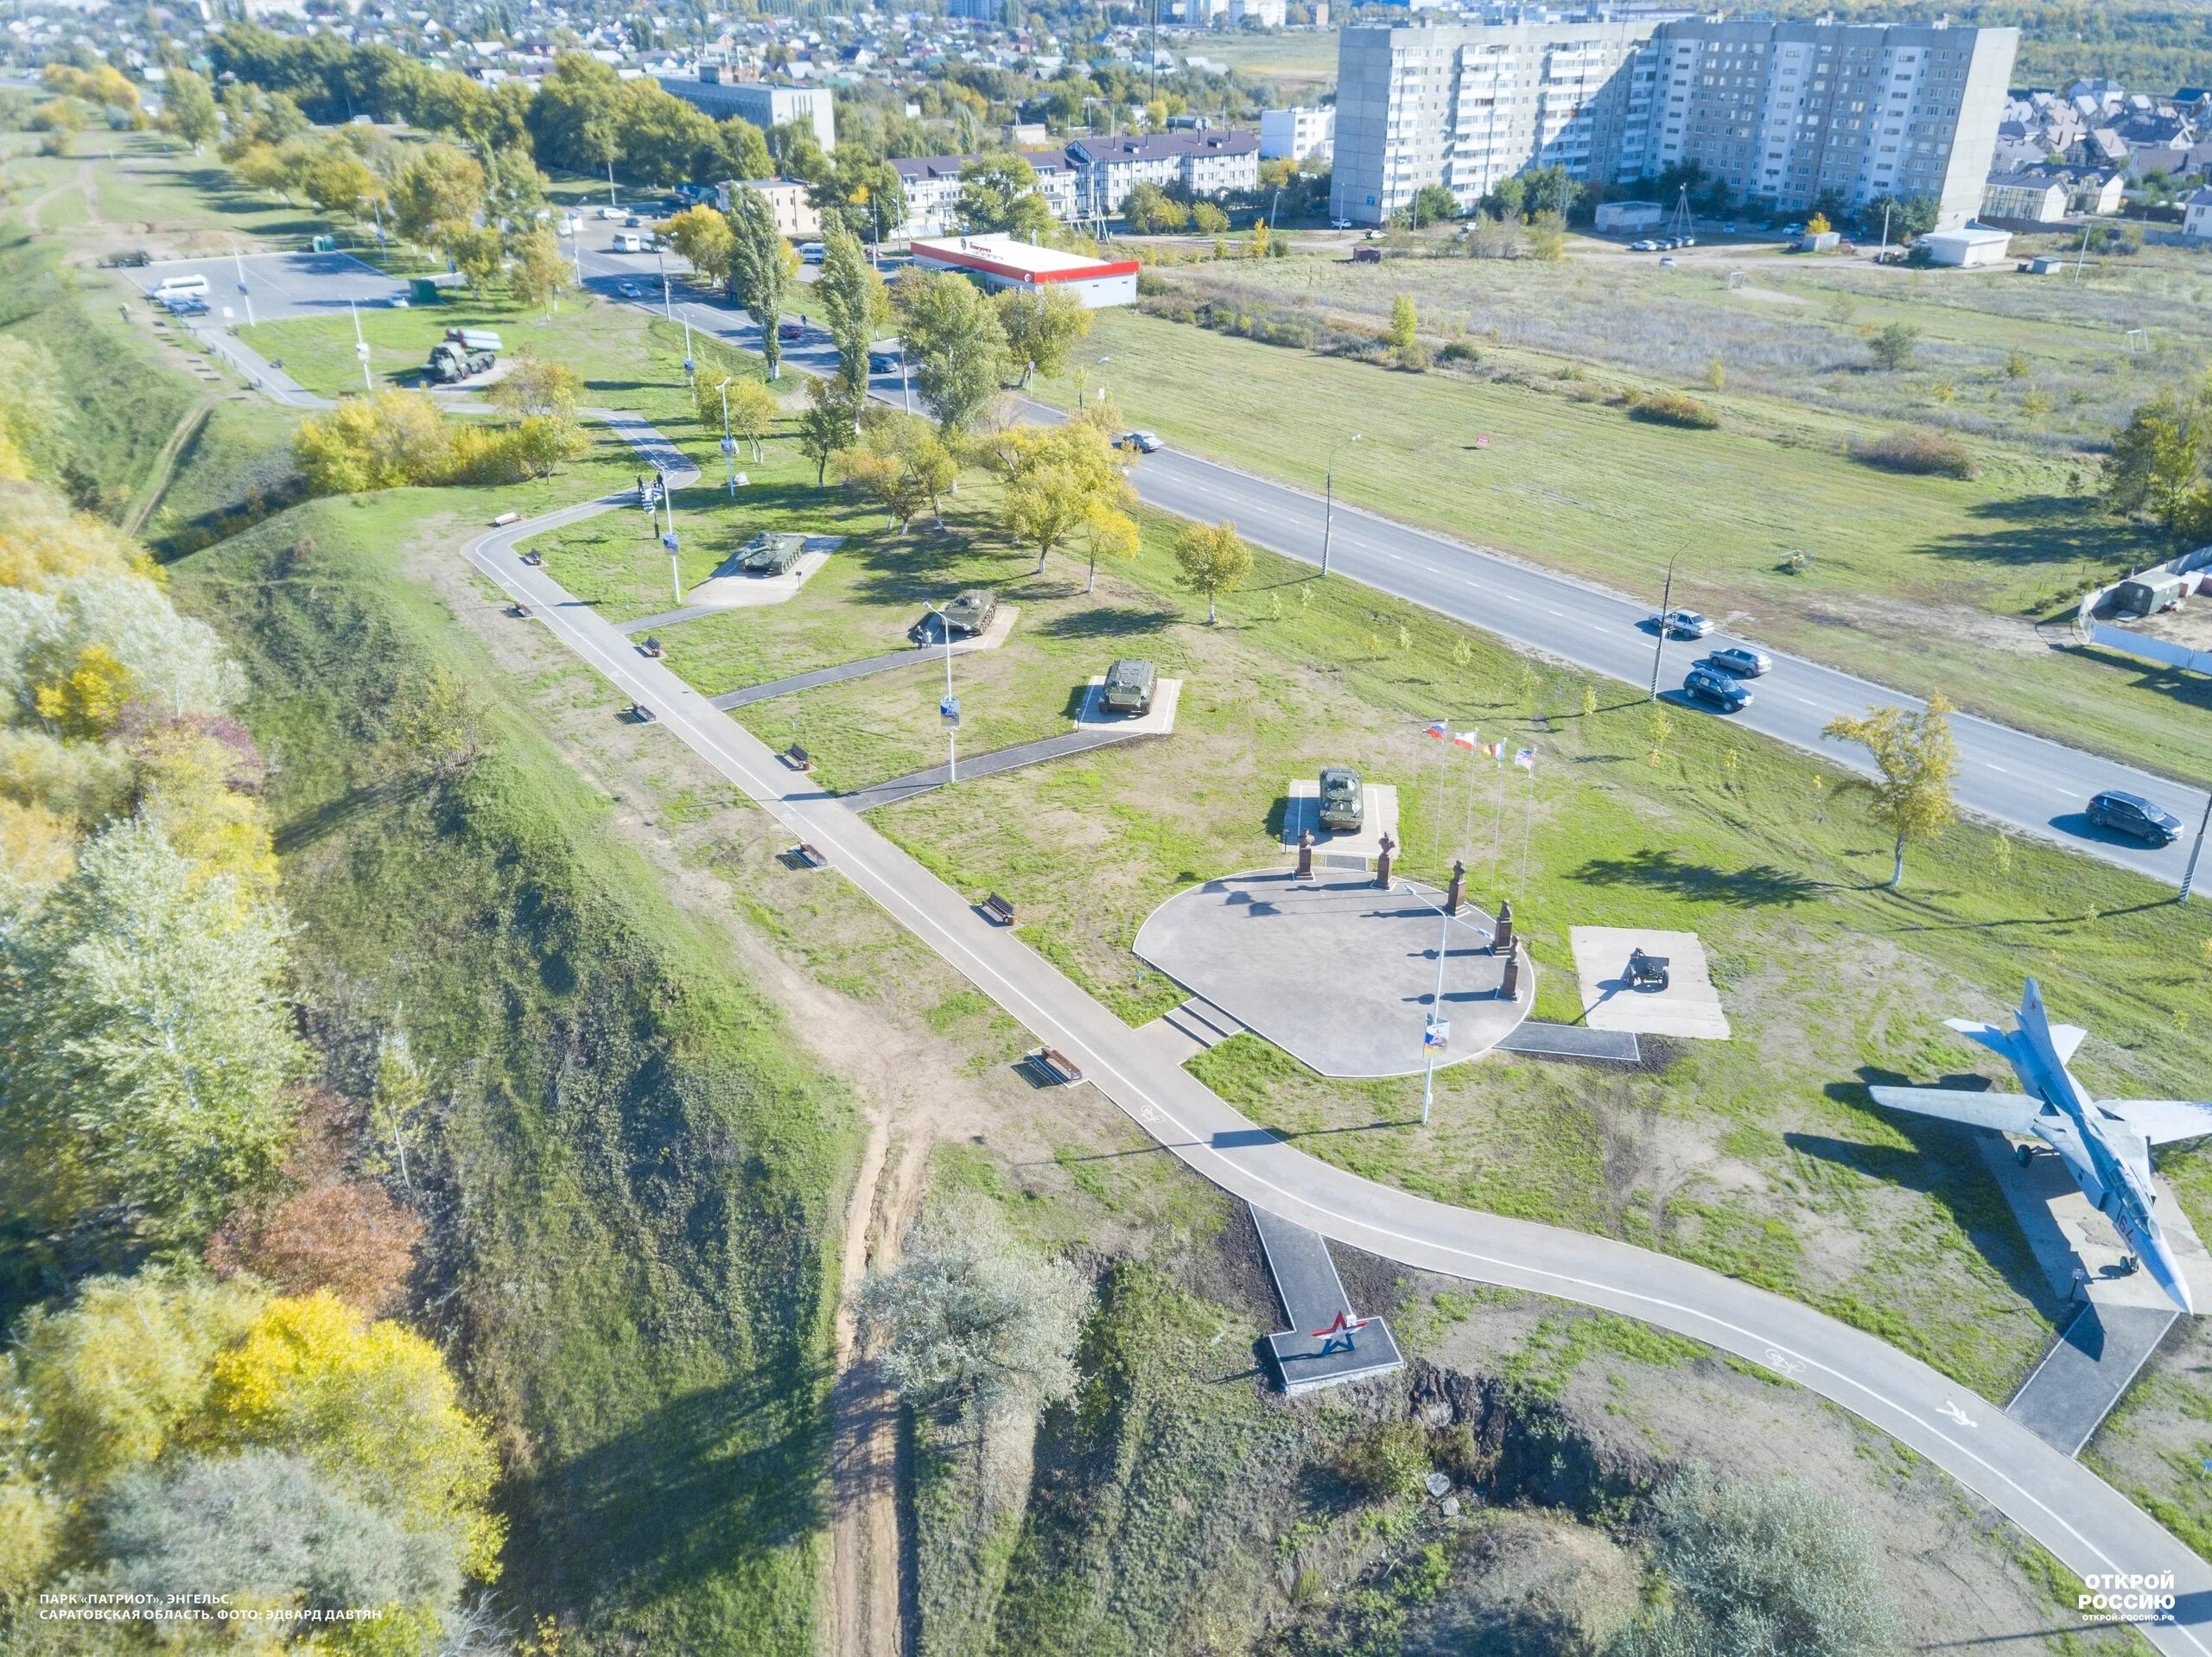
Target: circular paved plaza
{"x": 1334, "y": 970}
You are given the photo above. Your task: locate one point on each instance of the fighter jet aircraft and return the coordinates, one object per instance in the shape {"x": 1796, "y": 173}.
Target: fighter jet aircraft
{"x": 2104, "y": 1145}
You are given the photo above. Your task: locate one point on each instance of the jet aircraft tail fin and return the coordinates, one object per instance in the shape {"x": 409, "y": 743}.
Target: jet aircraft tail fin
{"x": 1998, "y": 1041}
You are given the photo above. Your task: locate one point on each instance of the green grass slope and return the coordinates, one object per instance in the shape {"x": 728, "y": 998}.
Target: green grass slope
{"x": 634, "y": 1181}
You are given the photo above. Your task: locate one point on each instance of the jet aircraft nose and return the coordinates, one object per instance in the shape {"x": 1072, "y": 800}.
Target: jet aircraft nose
{"x": 2166, "y": 1271}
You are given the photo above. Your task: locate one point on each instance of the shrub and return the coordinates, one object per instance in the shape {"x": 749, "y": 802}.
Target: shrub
{"x": 1928, "y": 453}
{"x": 1385, "y": 1464}
{"x": 1674, "y": 409}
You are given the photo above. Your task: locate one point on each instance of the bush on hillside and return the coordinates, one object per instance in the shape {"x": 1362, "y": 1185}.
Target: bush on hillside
{"x": 1931, "y": 454}
{"x": 1673, "y": 409}
{"x": 399, "y": 438}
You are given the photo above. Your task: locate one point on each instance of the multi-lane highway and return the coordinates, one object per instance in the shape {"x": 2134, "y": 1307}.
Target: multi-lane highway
{"x": 2028, "y": 783}
{"x": 2080, "y": 1519}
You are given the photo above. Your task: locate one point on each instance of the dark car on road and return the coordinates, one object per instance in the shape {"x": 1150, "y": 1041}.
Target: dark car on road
{"x": 2132, "y": 814}
{"x": 1342, "y": 807}
{"x": 1128, "y": 686}
{"x": 1740, "y": 661}
{"x": 1721, "y": 690}
{"x": 791, "y": 331}
{"x": 882, "y": 362}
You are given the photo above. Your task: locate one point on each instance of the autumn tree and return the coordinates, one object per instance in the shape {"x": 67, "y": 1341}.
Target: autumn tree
{"x": 478, "y": 251}
{"x": 827, "y": 424}
{"x": 753, "y": 411}
{"x": 535, "y": 385}
{"x": 759, "y": 271}
{"x": 1916, "y": 758}
{"x": 438, "y": 191}
{"x": 1213, "y": 560}
{"x": 1547, "y": 235}
{"x": 703, "y": 236}
{"x": 189, "y": 108}
{"x": 900, "y": 466}
{"x": 540, "y": 273}
{"x": 1059, "y": 479}
{"x": 852, "y": 296}
{"x": 1405, "y": 322}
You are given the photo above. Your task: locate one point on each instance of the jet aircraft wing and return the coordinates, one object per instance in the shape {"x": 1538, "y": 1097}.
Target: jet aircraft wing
{"x": 2161, "y": 1122}
{"x": 2008, "y": 1113}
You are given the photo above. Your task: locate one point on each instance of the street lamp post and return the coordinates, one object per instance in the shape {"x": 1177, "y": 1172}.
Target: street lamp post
{"x": 1329, "y": 502}
{"x": 244, "y": 292}
{"x": 1666, "y": 611}
{"x": 1436, "y": 1029}
{"x": 2188, "y": 877}
{"x": 906, "y": 392}
{"x": 362, "y": 349}
{"x": 730, "y": 443}
{"x": 949, "y": 708}
{"x": 668, "y": 541}
{"x": 691, "y": 368}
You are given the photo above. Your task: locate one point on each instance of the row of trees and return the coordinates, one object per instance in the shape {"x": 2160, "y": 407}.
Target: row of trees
{"x": 201, "y": 1398}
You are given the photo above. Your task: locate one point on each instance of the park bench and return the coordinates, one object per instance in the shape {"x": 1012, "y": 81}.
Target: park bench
{"x": 798, "y": 757}
{"x": 642, "y": 714}
{"x": 649, "y": 646}
{"x": 1647, "y": 972}
{"x": 998, "y": 911}
{"x": 813, "y": 857}
{"x": 1056, "y": 1067}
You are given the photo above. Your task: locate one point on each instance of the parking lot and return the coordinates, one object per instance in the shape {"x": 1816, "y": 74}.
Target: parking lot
{"x": 279, "y": 285}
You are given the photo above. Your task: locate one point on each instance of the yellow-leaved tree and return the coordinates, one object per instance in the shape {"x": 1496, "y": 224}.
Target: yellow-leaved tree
{"x": 1916, "y": 758}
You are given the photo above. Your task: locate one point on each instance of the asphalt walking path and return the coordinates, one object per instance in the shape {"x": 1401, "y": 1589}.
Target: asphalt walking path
{"x": 2084, "y": 1522}
{"x": 988, "y": 765}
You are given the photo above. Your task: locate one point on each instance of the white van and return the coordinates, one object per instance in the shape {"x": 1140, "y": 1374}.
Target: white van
{"x": 625, "y": 242}
{"x": 180, "y": 287}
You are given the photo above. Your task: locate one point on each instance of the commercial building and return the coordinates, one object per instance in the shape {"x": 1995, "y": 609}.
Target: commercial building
{"x": 796, "y": 219}
{"x": 1974, "y": 245}
{"x": 1203, "y": 163}
{"x": 2024, "y": 198}
{"x": 1000, "y": 262}
{"x": 1777, "y": 114}
{"x": 1298, "y": 135}
{"x": 1626, "y": 218}
{"x": 719, "y": 94}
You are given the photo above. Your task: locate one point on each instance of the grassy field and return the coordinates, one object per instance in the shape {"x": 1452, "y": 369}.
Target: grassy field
{"x": 1302, "y": 64}
{"x": 1917, "y": 582}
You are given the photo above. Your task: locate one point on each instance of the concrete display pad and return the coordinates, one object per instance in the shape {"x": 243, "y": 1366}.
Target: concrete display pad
{"x": 1379, "y": 804}
{"x": 2088, "y": 1371}
{"x": 735, "y": 591}
{"x": 1689, "y": 1005}
{"x": 2073, "y": 1242}
{"x": 1313, "y": 1295}
{"x": 1334, "y": 971}
{"x": 1160, "y": 721}
{"x": 989, "y": 639}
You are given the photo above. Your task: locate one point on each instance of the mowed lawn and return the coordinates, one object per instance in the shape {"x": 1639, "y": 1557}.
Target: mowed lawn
{"x": 1918, "y": 582}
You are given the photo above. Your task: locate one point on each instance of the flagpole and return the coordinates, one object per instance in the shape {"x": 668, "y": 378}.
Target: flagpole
{"x": 1528, "y": 818}
{"x": 1497, "y": 828}
{"x": 1467, "y": 830}
{"x": 1444, "y": 748}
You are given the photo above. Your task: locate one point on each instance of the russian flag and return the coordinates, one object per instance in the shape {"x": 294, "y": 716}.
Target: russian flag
{"x": 1439, "y": 728}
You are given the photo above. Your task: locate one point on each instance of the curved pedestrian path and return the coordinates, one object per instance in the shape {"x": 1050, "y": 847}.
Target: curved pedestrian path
{"x": 2089, "y": 1526}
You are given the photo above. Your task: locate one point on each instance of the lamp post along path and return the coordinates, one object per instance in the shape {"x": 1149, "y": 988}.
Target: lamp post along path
{"x": 1329, "y": 501}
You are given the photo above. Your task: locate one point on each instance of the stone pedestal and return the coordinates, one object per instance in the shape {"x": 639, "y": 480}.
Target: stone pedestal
{"x": 1510, "y": 986}
{"x": 1501, "y": 939}
{"x": 1305, "y": 855}
{"x": 1382, "y": 863}
{"x": 1458, "y": 892}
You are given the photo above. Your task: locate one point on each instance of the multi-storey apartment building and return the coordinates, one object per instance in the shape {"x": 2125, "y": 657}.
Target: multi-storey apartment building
{"x": 1465, "y": 105}
{"x": 1783, "y": 114}
{"x": 933, "y": 189}
{"x": 1298, "y": 134}
{"x": 1203, "y": 163}
{"x": 718, "y": 92}
{"x": 1779, "y": 114}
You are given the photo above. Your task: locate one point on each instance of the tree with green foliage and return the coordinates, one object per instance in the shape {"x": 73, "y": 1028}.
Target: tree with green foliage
{"x": 900, "y": 465}
{"x": 1041, "y": 325}
{"x": 1894, "y": 346}
{"x": 1000, "y": 192}
{"x": 973, "y": 1317}
{"x": 853, "y": 297}
{"x": 478, "y": 251}
{"x": 745, "y": 150}
{"x": 1151, "y": 211}
{"x": 954, "y": 339}
{"x": 860, "y": 191}
{"x": 759, "y": 272}
{"x": 541, "y": 273}
{"x": 703, "y": 236}
{"x": 2159, "y": 460}
{"x": 438, "y": 191}
{"x": 1213, "y": 559}
{"x": 1772, "y": 1570}
{"x": 1917, "y": 758}
{"x": 828, "y": 423}
{"x": 189, "y": 108}
{"x": 1547, "y": 236}
{"x": 1431, "y": 204}
{"x": 1405, "y": 322}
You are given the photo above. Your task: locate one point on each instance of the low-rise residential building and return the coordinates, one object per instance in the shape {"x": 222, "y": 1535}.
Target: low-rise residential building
{"x": 715, "y": 91}
{"x": 933, "y": 189}
{"x": 998, "y": 261}
{"x": 2024, "y": 198}
{"x": 1298, "y": 134}
{"x": 1200, "y": 163}
{"x": 796, "y": 218}
{"x": 2197, "y": 216}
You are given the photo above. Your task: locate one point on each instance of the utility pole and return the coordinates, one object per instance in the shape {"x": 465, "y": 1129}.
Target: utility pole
{"x": 1329, "y": 503}
{"x": 362, "y": 349}
{"x": 1666, "y": 611}
{"x": 2189, "y": 878}
{"x": 1888, "y": 207}
{"x": 949, "y": 709}
{"x": 244, "y": 292}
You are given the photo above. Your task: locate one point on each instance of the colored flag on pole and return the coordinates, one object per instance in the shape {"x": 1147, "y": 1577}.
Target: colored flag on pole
{"x": 1464, "y": 740}
{"x": 1526, "y": 758}
{"x": 1439, "y": 729}
{"x": 1495, "y": 749}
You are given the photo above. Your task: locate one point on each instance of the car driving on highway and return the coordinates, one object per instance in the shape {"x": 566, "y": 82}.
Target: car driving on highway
{"x": 1680, "y": 624}
{"x": 1740, "y": 660}
{"x": 2133, "y": 816}
{"x": 1720, "y": 690}
{"x": 1143, "y": 442}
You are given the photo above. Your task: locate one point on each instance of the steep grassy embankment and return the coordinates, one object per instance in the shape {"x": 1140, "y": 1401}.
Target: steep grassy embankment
{"x": 633, "y": 1180}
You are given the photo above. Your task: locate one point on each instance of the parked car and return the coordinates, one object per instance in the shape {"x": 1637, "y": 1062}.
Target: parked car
{"x": 791, "y": 331}
{"x": 1343, "y": 806}
{"x": 612, "y": 215}
{"x": 1647, "y": 246}
{"x": 882, "y": 362}
{"x": 1728, "y": 230}
{"x": 2131, "y": 814}
{"x": 813, "y": 252}
{"x": 1686, "y": 241}
{"x": 1681, "y": 624}
{"x": 631, "y": 290}
{"x": 1667, "y": 260}
{"x": 1740, "y": 661}
{"x": 187, "y": 305}
{"x": 131, "y": 261}
{"x": 635, "y": 221}
{"x": 1722, "y": 690}
{"x": 1340, "y": 224}
{"x": 1128, "y": 686}
{"x": 1143, "y": 442}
